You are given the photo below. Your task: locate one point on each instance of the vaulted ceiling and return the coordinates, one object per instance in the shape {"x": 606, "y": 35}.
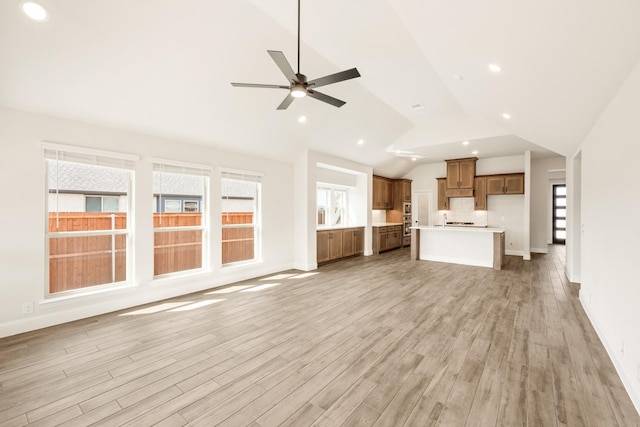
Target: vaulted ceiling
{"x": 164, "y": 67}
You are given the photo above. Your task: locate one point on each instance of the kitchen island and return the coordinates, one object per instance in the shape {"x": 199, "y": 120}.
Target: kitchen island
{"x": 482, "y": 247}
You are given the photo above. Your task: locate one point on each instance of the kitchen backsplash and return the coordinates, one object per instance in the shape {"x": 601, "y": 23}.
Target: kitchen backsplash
{"x": 378, "y": 216}
{"x": 461, "y": 209}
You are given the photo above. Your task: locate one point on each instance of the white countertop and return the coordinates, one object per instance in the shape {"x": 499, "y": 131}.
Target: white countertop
{"x": 385, "y": 224}
{"x": 337, "y": 227}
{"x": 454, "y": 228}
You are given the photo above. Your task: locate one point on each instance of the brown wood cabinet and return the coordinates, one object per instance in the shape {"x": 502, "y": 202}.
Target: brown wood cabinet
{"x": 480, "y": 193}
{"x": 387, "y": 237}
{"x": 505, "y": 184}
{"x": 352, "y": 241}
{"x": 401, "y": 193}
{"x": 460, "y": 176}
{"x": 382, "y": 193}
{"x": 443, "y": 200}
{"x": 340, "y": 243}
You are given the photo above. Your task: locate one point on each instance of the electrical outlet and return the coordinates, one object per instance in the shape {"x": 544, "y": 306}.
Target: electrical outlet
{"x": 27, "y": 307}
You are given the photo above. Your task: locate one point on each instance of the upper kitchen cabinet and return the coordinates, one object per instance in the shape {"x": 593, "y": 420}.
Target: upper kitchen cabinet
{"x": 382, "y": 193}
{"x": 480, "y": 193}
{"x": 505, "y": 184}
{"x": 461, "y": 177}
{"x": 401, "y": 193}
{"x": 443, "y": 200}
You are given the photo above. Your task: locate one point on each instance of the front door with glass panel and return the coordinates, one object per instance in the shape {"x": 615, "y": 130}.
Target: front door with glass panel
{"x": 559, "y": 214}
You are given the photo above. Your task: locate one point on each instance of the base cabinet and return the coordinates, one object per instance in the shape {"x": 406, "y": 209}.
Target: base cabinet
{"x": 386, "y": 238}
{"x": 336, "y": 244}
{"x": 352, "y": 241}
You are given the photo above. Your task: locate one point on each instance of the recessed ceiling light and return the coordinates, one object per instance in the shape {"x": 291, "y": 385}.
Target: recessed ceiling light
{"x": 413, "y": 159}
{"x": 465, "y": 142}
{"x": 474, "y": 152}
{"x": 34, "y": 11}
{"x": 495, "y": 68}
{"x": 458, "y": 77}
{"x": 506, "y": 116}
{"x": 302, "y": 119}
{"x": 417, "y": 106}
{"x": 360, "y": 141}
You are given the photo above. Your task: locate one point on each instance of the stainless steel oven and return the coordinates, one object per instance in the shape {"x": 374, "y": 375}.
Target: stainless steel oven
{"x": 407, "y": 209}
{"x": 406, "y": 222}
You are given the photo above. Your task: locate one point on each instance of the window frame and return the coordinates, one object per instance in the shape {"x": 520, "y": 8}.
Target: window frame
{"x": 329, "y": 214}
{"x": 188, "y": 169}
{"x": 251, "y": 177}
{"x": 101, "y": 197}
{"x": 92, "y": 157}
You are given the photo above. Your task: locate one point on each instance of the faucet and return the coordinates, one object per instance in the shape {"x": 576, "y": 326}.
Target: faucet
{"x": 444, "y": 219}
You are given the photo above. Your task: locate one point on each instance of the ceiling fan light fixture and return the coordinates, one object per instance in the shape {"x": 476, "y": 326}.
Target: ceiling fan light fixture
{"x": 298, "y": 91}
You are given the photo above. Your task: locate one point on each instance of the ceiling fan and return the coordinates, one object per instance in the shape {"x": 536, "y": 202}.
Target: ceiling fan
{"x": 298, "y": 84}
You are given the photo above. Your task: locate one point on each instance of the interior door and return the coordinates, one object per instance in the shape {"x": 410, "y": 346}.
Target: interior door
{"x": 421, "y": 208}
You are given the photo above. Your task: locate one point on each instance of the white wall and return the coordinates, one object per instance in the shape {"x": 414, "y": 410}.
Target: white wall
{"x": 22, "y": 248}
{"x": 610, "y": 191}
{"x": 541, "y": 198}
{"x": 306, "y": 178}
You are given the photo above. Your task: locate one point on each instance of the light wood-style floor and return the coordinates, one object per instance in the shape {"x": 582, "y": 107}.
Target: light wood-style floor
{"x": 367, "y": 341}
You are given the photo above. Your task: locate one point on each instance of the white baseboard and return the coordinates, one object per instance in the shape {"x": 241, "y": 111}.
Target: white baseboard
{"x": 627, "y": 378}
{"x": 305, "y": 267}
{"x": 573, "y": 278}
{"x": 540, "y": 250}
{"x": 514, "y": 253}
{"x": 58, "y": 312}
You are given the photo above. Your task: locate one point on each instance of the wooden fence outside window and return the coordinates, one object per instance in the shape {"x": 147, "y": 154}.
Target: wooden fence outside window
{"x": 83, "y": 261}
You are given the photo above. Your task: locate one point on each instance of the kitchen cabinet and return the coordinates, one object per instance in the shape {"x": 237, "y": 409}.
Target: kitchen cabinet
{"x": 352, "y": 241}
{"x": 443, "y": 200}
{"x": 480, "y": 193}
{"x": 328, "y": 245}
{"x": 339, "y": 243}
{"x": 505, "y": 184}
{"x": 401, "y": 197}
{"x": 460, "y": 177}
{"x": 382, "y": 193}
{"x": 386, "y": 238}
{"x": 401, "y": 193}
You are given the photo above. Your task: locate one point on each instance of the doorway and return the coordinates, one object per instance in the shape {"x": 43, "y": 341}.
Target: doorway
{"x": 559, "y": 214}
{"x": 421, "y": 208}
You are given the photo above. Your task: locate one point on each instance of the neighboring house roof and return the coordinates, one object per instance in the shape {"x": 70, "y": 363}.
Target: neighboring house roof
{"x": 80, "y": 178}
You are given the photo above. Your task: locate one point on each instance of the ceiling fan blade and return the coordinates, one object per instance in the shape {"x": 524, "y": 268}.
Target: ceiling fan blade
{"x": 259, "y": 85}
{"x": 325, "y": 98}
{"x": 285, "y": 103}
{"x": 334, "y": 78}
{"x": 282, "y": 63}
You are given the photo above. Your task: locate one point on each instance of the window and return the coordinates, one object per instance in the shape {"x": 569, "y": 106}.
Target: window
{"x": 179, "y": 226}
{"x": 241, "y": 219}
{"x": 172, "y": 205}
{"x": 331, "y": 205}
{"x": 102, "y": 204}
{"x": 87, "y": 237}
{"x": 191, "y": 206}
